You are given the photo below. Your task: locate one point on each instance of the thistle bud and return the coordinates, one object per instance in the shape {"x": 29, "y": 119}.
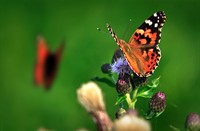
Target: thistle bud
{"x": 192, "y": 122}
{"x": 106, "y": 68}
{"x": 123, "y": 84}
{"x": 120, "y": 112}
{"x": 158, "y": 102}
{"x": 90, "y": 96}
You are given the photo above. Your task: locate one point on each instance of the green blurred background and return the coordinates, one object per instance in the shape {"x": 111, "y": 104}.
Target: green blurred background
{"x": 24, "y": 107}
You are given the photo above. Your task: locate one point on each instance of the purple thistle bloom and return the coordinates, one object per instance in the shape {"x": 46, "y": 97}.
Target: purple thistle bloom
{"x": 158, "y": 102}
{"x": 121, "y": 66}
{"x": 123, "y": 84}
{"x": 192, "y": 122}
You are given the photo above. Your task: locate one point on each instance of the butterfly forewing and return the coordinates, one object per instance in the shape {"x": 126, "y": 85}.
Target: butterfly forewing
{"x": 146, "y": 39}
{"x": 149, "y": 32}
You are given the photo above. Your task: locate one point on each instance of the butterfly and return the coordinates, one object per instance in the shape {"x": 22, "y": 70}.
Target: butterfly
{"x": 142, "y": 52}
{"x": 46, "y": 63}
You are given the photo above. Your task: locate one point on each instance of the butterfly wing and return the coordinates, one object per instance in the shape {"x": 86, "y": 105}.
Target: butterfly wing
{"x": 42, "y": 53}
{"x": 144, "y": 54}
{"x": 149, "y": 33}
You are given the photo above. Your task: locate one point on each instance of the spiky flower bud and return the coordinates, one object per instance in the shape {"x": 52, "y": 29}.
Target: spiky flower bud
{"x": 158, "y": 102}
{"x": 192, "y": 122}
{"x": 106, "y": 68}
{"x": 90, "y": 97}
{"x": 123, "y": 84}
{"x": 120, "y": 112}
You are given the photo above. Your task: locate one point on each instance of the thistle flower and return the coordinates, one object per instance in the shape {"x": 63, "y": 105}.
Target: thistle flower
{"x": 158, "y": 102}
{"x": 130, "y": 122}
{"x": 90, "y": 97}
{"x": 192, "y": 122}
{"x": 123, "y": 84}
{"x": 157, "y": 105}
{"x": 121, "y": 66}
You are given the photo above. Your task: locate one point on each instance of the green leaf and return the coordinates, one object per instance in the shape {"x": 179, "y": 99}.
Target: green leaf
{"x": 155, "y": 83}
{"x": 148, "y": 90}
{"x": 120, "y": 99}
{"x": 152, "y": 114}
{"x": 104, "y": 80}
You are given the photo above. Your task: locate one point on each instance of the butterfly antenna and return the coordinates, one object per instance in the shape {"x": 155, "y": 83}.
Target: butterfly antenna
{"x": 112, "y": 33}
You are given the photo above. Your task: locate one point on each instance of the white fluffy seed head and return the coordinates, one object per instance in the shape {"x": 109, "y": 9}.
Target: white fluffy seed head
{"x": 90, "y": 97}
{"x": 131, "y": 123}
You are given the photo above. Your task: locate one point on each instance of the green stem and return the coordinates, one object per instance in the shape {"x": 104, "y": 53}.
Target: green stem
{"x": 134, "y": 100}
{"x": 113, "y": 78}
{"x": 128, "y": 100}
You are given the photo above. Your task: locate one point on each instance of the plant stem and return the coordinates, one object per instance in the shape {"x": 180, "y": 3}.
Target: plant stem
{"x": 128, "y": 100}
{"x": 134, "y": 100}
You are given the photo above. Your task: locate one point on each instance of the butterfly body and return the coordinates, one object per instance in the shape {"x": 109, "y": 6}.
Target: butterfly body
{"x": 142, "y": 51}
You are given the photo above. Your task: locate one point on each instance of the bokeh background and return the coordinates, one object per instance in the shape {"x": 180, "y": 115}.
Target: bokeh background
{"x": 25, "y": 107}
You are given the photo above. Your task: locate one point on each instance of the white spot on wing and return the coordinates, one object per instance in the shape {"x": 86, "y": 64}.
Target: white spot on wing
{"x": 156, "y": 25}
{"x": 155, "y": 14}
{"x": 149, "y": 22}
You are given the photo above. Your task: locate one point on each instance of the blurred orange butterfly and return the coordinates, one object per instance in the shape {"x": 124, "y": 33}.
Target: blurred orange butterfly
{"x": 46, "y": 63}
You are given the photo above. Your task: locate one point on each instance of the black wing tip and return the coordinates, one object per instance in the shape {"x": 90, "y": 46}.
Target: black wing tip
{"x": 160, "y": 13}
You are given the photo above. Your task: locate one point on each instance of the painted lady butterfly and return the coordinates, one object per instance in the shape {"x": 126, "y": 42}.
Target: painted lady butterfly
{"x": 142, "y": 51}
